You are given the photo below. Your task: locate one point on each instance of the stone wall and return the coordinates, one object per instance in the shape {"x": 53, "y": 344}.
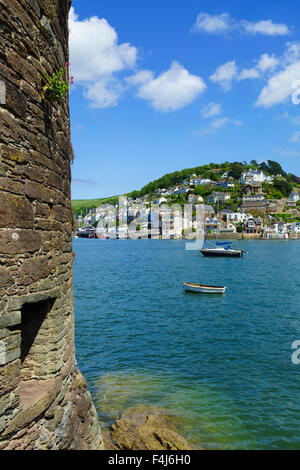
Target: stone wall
{"x": 44, "y": 402}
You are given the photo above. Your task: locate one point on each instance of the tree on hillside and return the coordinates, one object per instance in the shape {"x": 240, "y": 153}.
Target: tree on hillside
{"x": 283, "y": 186}
{"x": 275, "y": 168}
{"x": 236, "y": 170}
{"x": 134, "y": 194}
{"x": 203, "y": 191}
{"x": 294, "y": 178}
{"x": 264, "y": 167}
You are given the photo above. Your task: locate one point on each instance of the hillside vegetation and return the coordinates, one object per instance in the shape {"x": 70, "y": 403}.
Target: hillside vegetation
{"x": 280, "y": 188}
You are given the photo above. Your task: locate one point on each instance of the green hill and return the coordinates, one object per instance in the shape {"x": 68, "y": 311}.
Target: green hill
{"x": 212, "y": 171}
{"x": 80, "y": 205}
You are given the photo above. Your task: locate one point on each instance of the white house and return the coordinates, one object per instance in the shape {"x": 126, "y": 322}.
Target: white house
{"x": 279, "y": 230}
{"x": 226, "y": 184}
{"x": 201, "y": 181}
{"x": 256, "y": 176}
{"x": 235, "y": 217}
{"x": 294, "y": 196}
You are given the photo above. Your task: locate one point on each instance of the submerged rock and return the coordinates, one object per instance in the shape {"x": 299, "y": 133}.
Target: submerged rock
{"x": 148, "y": 428}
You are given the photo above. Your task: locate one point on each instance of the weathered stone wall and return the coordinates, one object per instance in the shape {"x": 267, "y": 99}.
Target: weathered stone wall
{"x": 44, "y": 402}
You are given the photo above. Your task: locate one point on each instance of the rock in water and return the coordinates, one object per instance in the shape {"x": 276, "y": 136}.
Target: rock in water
{"x": 147, "y": 429}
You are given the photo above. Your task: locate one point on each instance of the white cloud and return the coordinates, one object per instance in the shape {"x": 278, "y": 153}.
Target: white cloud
{"x": 248, "y": 73}
{"x": 266, "y": 27}
{"x": 140, "y": 77}
{"x": 267, "y": 62}
{"x": 81, "y": 182}
{"x": 216, "y": 24}
{"x": 104, "y": 93}
{"x": 94, "y": 49}
{"x": 225, "y": 74}
{"x": 282, "y": 74}
{"x": 211, "y": 109}
{"x": 292, "y": 53}
{"x": 217, "y": 124}
{"x": 171, "y": 90}
{"x": 96, "y": 55}
{"x": 280, "y": 86}
{"x": 289, "y": 153}
{"x": 212, "y": 23}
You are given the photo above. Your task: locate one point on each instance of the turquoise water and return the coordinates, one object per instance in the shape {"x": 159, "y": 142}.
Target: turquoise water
{"x": 223, "y": 363}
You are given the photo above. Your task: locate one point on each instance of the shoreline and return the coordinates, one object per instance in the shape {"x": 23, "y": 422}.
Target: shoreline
{"x": 229, "y": 236}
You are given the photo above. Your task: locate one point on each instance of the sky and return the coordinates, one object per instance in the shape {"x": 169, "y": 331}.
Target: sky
{"x": 160, "y": 86}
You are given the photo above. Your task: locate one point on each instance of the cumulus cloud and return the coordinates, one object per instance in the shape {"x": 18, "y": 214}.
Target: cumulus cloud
{"x": 267, "y": 62}
{"x": 248, "y": 73}
{"x": 211, "y": 109}
{"x": 266, "y": 27}
{"x": 171, "y": 90}
{"x": 212, "y": 23}
{"x": 216, "y": 24}
{"x": 140, "y": 77}
{"x": 280, "y": 86}
{"x": 281, "y": 73}
{"x": 225, "y": 74}
{"x": 104, "y": 93}
{"x": 96, "y": 56}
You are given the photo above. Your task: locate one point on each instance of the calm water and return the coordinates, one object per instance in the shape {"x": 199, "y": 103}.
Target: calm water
{"x": 223, "y": 363}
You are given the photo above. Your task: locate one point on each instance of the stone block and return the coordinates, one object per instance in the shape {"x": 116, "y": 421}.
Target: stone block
{"x": 19, "y": 241}
{"x": 9, "y": 376}
{"x": 6, "y": 278}
{"x": 15, "y": 211}
{"x": 16, "y": 303}
{"x": 10, "y": 319}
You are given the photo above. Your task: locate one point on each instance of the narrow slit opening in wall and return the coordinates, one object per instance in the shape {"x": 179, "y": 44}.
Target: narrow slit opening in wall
{"x": 34, "y": 338}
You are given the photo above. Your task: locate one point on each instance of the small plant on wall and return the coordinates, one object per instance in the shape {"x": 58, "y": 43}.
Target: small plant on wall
{"x": 57, "y": 85}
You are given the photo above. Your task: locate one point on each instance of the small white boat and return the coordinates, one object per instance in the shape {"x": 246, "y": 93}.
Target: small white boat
{"x": 203, "y": 289}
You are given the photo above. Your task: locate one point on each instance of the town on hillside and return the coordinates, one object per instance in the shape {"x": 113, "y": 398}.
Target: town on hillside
{"x": 240, "y": 200}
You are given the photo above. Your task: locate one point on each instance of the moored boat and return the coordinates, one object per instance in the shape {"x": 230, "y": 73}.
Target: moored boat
{"x": 203, "y": 289}
{"x": 224, "y": 251}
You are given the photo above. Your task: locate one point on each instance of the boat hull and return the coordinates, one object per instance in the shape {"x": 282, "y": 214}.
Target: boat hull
{"x": 222, "y": 253}
{"x": 202, "y": 289}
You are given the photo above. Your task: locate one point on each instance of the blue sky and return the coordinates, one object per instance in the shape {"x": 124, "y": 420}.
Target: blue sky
{"x": 165, "y": 85}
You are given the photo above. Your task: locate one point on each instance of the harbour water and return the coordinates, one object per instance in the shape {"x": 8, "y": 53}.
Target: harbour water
{"x": 221, "y": 362}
